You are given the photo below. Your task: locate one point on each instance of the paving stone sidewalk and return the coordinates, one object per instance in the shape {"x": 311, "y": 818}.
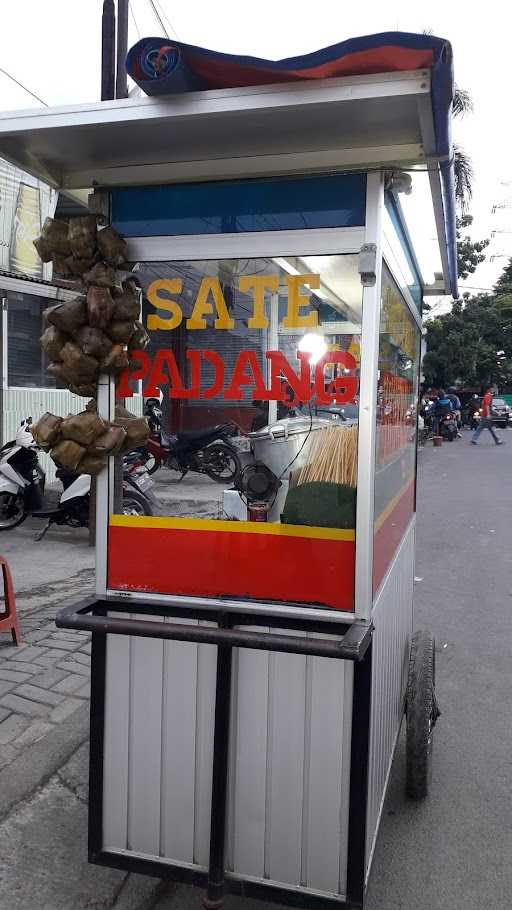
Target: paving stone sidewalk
{"x": 42, "y": 681}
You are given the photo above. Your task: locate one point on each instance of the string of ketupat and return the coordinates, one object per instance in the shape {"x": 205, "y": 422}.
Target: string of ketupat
{"x": 333, "y": 457}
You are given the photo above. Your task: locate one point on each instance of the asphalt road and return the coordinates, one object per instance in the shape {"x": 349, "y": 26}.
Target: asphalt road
{"x": 453, "y": 851}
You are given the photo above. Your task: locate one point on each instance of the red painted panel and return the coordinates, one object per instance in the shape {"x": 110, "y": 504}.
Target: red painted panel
{"x": 390, "y": 533}
{"x": 210, "y": 563}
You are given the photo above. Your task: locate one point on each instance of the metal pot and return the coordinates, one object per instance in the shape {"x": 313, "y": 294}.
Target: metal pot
{"x": 286, "y": 445}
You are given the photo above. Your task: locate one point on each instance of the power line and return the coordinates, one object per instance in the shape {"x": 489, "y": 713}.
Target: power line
{"x": 24, "y": 87}
{"x": 137, "y": 29}
{"x": 164, "y": 14}
{"x": 158, "y": 17}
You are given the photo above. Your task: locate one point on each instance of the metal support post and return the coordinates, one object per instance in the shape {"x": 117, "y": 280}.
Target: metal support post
{"x": 122, "y": 49}
{"x": 108, "y": 51}
{"x": 214, "y": 899}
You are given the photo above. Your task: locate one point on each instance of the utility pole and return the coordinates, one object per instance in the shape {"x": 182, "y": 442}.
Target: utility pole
{"x": 122, "y": 49}
{"x": 108, "y": 51}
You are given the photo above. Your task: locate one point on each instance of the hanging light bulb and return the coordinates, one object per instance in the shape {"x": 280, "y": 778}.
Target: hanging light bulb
{"x": 314, "y": 345}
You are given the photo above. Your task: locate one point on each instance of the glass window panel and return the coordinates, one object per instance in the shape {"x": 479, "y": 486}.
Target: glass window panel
{"x": 236, "y": 206}
{"x": 255, "y": 363}
{"x": 26, "y": 362}
{"x": 397, "y": 395}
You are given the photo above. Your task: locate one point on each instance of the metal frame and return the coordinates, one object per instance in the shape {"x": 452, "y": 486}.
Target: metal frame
{"x": 77, "y": 168}
{"x": 314, "y": 241}
{"x": 22, "y": 286}
{"x": 354, "y": 645}
{"x": 368, "y": 405}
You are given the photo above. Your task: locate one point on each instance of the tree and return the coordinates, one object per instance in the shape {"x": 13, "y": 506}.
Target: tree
{"x": 472, "y": 345}
{"x": 463, "y": 168}
{"x": 504, "y": 282}
{"x": 469, "y": 254}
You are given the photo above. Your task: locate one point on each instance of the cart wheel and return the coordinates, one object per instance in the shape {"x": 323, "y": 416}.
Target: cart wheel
{"x": 422, "y": 712}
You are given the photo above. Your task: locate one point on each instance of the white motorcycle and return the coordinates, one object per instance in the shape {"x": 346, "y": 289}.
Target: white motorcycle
{"x": 22, "y": 478}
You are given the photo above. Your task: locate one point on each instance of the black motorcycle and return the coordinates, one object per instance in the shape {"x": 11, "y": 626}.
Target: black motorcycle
{"x": 208, "y": 451}
{"x": 448, "y": 427}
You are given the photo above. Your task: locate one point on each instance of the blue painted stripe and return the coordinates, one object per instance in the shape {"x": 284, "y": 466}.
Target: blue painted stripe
{"x": 240, "y": 206}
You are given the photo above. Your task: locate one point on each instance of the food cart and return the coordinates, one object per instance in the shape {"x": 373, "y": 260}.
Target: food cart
{"x": 251, "y": 666}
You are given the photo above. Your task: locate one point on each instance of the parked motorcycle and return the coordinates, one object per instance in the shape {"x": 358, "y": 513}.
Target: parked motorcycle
{"x": 22, "y": 479}
{"x": 74, "y": 505}
{"x": 208, "y": 451}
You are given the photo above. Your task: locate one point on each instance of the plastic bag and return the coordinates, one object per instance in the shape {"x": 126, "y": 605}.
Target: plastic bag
{"x": 92, "y": 464}
{"x": 120, "y": 332}
{"x": 83, "y": 428}
{"x": 100, "y": 307}
{"x": 82, "y": 235}
{"x": 116, "y": 361}
{"x": 46, "y": 431}
{"x": 108, "y": 443}
{"x": 52, "y": 342}
{"x": 79, "y": 367}
{"x": 101, "y": 276}
{"x": 69, "y": 316}
{"x": 93, "y": 341}
{"x": 68, "y": 454}
{"x": 112, "y": 246}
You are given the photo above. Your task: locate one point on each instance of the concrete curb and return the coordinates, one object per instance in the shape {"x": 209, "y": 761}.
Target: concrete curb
{"x": 34, "y": 767}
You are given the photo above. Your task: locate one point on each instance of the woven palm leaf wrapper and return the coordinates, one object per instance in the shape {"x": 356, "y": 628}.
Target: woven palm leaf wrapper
{"x": 83, "y": 442}
{"x": 323, "y": 493}
{"x": 93, "y": 334}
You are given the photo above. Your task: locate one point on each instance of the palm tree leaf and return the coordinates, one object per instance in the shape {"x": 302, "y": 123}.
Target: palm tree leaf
{"x": 463, "y": 169}
{"x": 462, "y": 102}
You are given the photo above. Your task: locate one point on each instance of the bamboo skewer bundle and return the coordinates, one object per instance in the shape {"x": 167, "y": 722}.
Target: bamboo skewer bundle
{"x": 333, "y": 457}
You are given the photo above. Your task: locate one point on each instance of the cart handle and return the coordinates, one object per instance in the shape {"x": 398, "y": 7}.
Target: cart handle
{"x": 351, "y": 646}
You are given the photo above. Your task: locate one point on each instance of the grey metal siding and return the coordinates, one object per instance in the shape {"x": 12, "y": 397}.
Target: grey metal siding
{"x": 289, "y": 760}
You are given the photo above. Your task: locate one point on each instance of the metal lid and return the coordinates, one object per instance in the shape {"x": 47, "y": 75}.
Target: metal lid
{"x": 290, "y": 426}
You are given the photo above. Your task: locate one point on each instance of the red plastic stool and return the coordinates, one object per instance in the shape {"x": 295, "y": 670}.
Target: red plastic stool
{"x": 9, "y": 619}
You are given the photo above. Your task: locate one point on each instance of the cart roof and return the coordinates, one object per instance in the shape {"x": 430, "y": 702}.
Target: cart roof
{"x": 362, "y": 120}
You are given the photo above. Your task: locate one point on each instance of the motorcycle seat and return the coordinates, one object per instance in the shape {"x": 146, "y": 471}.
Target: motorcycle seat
{"x": 188, "y": 436}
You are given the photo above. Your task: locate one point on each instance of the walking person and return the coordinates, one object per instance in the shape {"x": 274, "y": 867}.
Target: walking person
{"x": 486, "y": 418}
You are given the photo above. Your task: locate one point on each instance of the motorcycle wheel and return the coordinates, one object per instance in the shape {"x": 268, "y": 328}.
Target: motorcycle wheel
{"x": 136, "y": 504}
{"x": 221, "y": 463}
{"x": 12, "y": 511}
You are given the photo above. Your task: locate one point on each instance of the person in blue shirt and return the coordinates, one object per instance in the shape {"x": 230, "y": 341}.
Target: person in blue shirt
{"x": 442, "y": 407}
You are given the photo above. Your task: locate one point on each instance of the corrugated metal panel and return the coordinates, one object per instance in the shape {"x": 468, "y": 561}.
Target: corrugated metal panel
{"x": 289, "y": 767}
{"x": 22, "y": 403}
{"x": 392, "y": 617}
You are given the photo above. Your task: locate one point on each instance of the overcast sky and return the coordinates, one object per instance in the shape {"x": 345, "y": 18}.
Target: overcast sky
{"x": 54, "y": 49}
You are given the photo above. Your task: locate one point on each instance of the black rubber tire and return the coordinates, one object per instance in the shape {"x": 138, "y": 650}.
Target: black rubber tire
{"x": 135, "y": 503}
{"x": 422, "y": 713}
{"x": 224, "y": 451}
{"x": 17, "y": 519}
